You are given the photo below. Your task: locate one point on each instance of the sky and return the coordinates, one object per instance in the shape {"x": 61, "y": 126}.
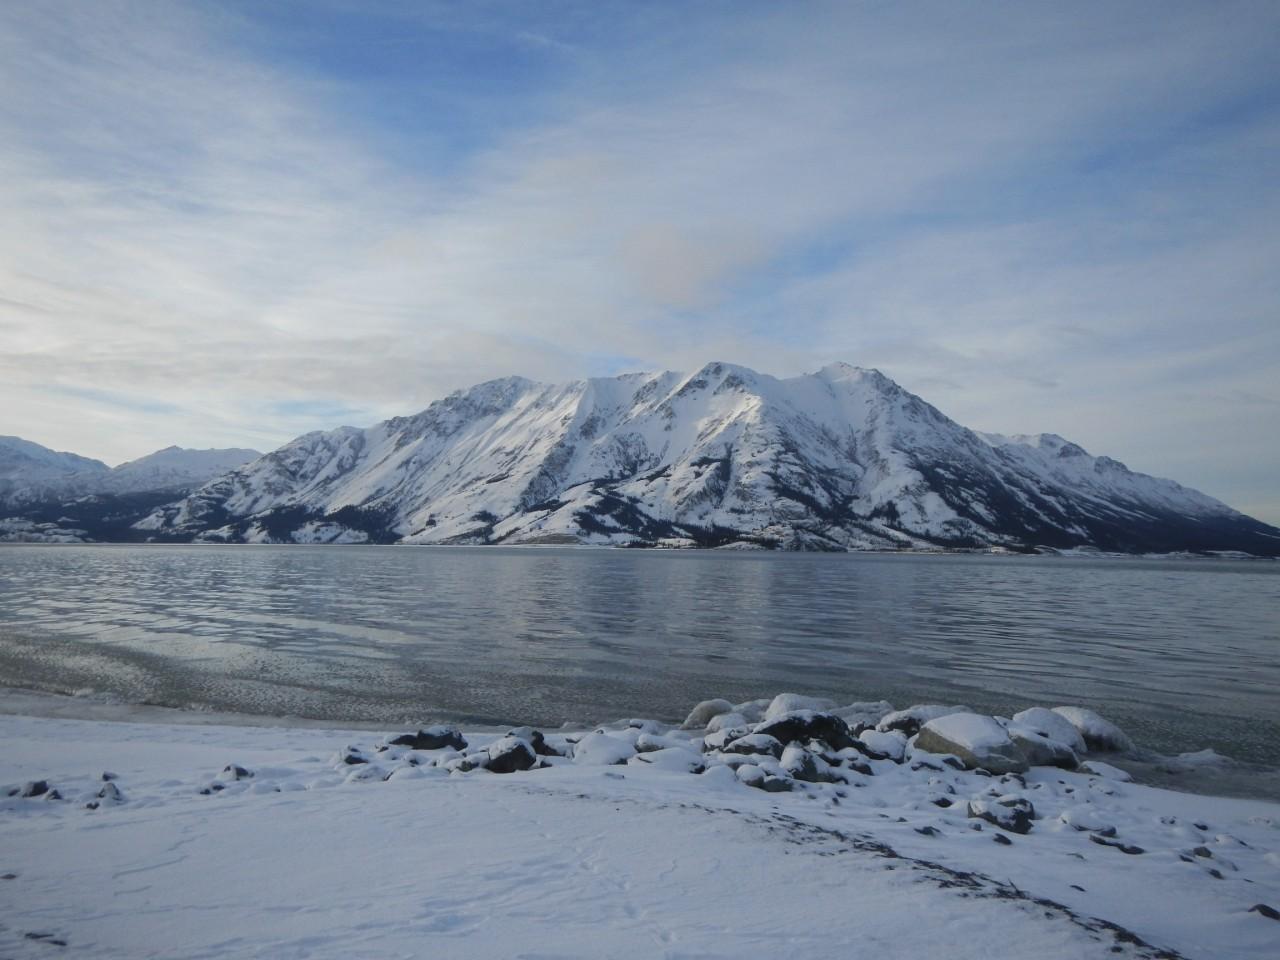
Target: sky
{"x": 229, "y": 223}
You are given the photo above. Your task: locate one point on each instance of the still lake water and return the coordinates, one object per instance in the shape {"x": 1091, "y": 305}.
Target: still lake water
{"x": 1183, "y": 654}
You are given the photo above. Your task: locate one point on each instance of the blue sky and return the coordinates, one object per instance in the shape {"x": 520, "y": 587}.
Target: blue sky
{"x": 228, "y": 223}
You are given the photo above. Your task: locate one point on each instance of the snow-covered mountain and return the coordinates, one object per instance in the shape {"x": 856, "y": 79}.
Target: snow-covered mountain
{"x": 30, "y": 472}
{"x": 840, "y": 459}
{"x": 175, "y": 468}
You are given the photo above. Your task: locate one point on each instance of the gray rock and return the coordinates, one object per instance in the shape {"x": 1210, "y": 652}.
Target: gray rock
{"x": 1009, "y": 813}
{"x": 1041, "y": 751}
{"x": 801, "y": 764}
{"x": 34, "y": 788}
{"x": 978, "y": 741}
{"x": 1099, "y": 734}
{"x": 1053, "y": 726}
{"x": 755, "y": 743}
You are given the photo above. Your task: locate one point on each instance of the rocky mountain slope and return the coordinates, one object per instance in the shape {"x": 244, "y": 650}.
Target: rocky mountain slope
{"x": 840, "y": 459}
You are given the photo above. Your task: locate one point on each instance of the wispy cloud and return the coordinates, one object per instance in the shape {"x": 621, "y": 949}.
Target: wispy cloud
{"x": 1040, "y": 216}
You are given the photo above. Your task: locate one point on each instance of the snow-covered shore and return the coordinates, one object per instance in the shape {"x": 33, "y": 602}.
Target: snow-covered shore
{"x": 742, "y": 835}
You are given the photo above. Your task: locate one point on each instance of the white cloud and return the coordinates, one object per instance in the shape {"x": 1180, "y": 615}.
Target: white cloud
{"x": 947, "y": 195}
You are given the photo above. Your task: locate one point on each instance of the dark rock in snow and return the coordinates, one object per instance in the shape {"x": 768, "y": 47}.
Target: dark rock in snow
{"x": 511, "y": 754}
{"x": 1123, "y": 847}
{"x": 233, "y": 771}
{"x": 1002, "y": 839}
{"x": 801, "y": 726}
{"x": 754, "y": 744}
{"x": 1271, "y": 913}
{"x": 432, "y": 738}
{"x": 536, "y": 739}
{"x": 1009, "y": 813}
{"x": 34, "y": 788}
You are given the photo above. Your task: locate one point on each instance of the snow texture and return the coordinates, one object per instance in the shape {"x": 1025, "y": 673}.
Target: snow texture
{"x": 121, "y": 840}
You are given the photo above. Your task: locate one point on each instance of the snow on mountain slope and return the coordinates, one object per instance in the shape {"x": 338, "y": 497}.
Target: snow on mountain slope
{"x": 31, "y": 474}
{"x": 29, "y": 471}
{"x": 174, "y": 468}
{"x": 840, "y": 459}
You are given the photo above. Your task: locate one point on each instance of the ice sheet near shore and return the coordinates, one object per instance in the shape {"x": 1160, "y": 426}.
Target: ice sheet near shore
{"x": 639, "y": 841}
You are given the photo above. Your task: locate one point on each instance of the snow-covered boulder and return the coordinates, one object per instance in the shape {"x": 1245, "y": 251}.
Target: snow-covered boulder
{"x": 805, "y": 765}
{"x": 1040, "y": 750}
{"x": 437, "y": 737}
{"x": 674, "y": 759}
{"x": 754, "y": 776}
{"x": 892, "y": 745}
{"x": 910, "y": 720}
{"x": 510, "y": 754}
{"x": 717, "y": 740}
{"x": 727, "y": 721}
{"x": 805, "y": 725}
{"x": 704, "y": 712}
{"x": 1052, "y": 725}
{"x": 1085, "y": 817}
{"x": 536, "y": 739}
{"x": 1099, "y": 735}
{"x": 785, "y": 703}
{"x": 653, "y": 742}
{"x": 602, "y": 749}
{"x": 760, "y": 744}
{"x": 979, "y": 741}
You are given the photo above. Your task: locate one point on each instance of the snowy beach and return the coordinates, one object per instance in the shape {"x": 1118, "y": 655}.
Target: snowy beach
{"x": 760, "y": 827}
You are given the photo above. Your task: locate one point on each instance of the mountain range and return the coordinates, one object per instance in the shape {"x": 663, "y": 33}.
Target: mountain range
{"x": 49, "y": 495}
{"x": 843, "y": 458}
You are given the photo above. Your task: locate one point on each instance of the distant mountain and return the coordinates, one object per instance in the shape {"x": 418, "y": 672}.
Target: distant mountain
{"x": 840, "y": 459}
{"x": 175, "y": 468}
{"x": 46, "y": 495}
{"x": 29, "y": 471}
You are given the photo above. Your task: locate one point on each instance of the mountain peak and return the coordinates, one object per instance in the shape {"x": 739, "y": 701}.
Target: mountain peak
{"x": 840, "y": 459}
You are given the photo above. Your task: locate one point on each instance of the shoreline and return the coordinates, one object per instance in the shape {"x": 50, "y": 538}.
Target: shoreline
{"x": 743, "y": 547}
{"x": 1184, "y": 773}
{"x": 639, "y": 840}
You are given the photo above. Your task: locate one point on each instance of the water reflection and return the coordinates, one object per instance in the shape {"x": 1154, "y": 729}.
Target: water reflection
{"x": 1185, "y": 653}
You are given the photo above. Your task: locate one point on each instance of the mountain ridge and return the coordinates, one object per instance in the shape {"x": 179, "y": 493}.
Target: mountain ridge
{"x": 48, "y": 496}
{"x": 843, "y": 458}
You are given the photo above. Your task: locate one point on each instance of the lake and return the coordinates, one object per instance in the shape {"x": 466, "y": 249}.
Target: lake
{"x": 1183, "y": 654}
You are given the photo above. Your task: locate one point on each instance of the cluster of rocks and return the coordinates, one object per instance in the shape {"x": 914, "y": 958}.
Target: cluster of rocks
{"x": 108, "y": 793}
{"x": 780, "y": 745}
{"x": 804, "y": 733}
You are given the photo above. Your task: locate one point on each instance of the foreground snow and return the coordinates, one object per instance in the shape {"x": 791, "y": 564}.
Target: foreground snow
{"x": 218, "y": 841}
